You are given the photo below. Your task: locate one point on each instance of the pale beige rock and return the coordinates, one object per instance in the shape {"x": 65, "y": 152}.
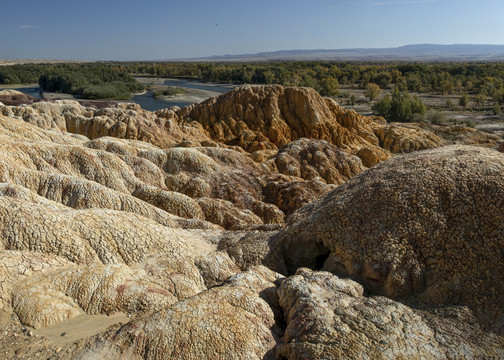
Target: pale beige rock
{"x": 404, "y": 138}
{"x": 317, "y": 160}
{"x": 56, "y": 296}
{"x": 88, "y": 235}
{"x": 329, "y": 318}
{"x": 119, "y": 175}
{"x": 428, "y": 223}
{"x": 17, "y": 266}
{"x": 95, "y": 224}
{"x": 227, "y": 322}
{"x": 126, "y": 121}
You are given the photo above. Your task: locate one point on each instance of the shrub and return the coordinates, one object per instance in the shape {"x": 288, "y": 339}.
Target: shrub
{"x": 464, "y": 100}
{"x": 496, "y": 109}
{"x": 435, "y": 117}
{"x": 90, "y": 81}
{"x": 401, "y": 107}
{"x": 170, "y": 91}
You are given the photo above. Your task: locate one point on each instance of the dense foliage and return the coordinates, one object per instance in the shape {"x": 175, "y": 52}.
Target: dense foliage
{"x": 91, "y": 82}
{"x": 325, "y": 77}
{"x": 401, "y": 107}
{"x": 113, "y": 80}
{"x": 20, "y": 74}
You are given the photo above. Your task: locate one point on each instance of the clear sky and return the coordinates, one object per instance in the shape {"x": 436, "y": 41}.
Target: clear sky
{"x": 156, "y": 29}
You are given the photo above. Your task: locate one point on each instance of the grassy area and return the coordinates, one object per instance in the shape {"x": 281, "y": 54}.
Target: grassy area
{"x": 170, "y": 91}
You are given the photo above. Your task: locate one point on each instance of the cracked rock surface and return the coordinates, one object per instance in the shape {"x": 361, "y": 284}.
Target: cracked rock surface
{"x": 428, "y": 224}
{"x": 267, "y": 223}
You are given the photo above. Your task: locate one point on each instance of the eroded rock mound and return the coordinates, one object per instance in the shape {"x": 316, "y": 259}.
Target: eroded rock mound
{"x": 428, "y": 224}
{"x": 180, "y": 186}
{"x": 317, "y": 160}
{"x": 233, "y": 321}
{"x": 59, "y": 295}
{"x": 269, "y": 116}
{"x": 92, "y": 224}
{"x": 330, "y": 318}
{"x": 125, "y": 121}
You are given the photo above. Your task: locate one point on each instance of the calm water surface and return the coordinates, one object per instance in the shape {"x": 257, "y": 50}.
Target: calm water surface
{"x": 147, "y": 100}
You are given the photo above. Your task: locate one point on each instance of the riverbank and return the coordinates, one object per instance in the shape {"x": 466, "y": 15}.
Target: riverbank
{"x": 195, "y": 92}
{"x": 192, "y": 94}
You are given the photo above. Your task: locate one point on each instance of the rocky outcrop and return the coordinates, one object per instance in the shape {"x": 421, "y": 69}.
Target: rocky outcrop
{"x": 316, "y": 160}
{"x": 427, "y": 224}
{"x": 404, "y": 138}
{"x": 167, "y": 186}
{"x": 125, "y": 121}
{"x": 16, "y": 266}
{"x": 104, "y": 289}
{"x": 133, "y": 227}
{"x": 268, "y": 117}
{"x": 330, "y": 318}
{"x": 227, "y": 322}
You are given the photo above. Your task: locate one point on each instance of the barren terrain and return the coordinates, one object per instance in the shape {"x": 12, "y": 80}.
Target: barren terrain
{"x": 265, "y": 223}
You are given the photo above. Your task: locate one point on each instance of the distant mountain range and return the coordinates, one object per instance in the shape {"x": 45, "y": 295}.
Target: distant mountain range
{"x": 421, "y": 52}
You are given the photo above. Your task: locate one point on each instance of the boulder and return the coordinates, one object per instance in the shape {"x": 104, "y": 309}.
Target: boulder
{"x": 428, "y": 224}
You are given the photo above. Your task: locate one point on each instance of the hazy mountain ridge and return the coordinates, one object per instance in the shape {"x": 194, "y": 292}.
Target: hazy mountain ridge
{"x": 422, "y": 52}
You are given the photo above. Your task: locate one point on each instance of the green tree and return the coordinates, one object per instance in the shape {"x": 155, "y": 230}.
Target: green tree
{"x": 497, "y": 109}
{"x": 480, "y": 100}
{"x": 372, "y": 91}
{"x": 464, "y": 100}
{"x": 382, "y": 107}
{"x": 402, "y": 107}
{"x": 352, "y": 100}
{"x": 329, "y": 87}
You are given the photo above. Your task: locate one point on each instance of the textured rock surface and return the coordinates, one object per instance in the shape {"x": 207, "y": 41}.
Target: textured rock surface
{"x": 16, "y": 266}
{"x": 97, "y": 289}
{"x": 429, "y": 224}
{"x": 137, "y": 177}
{"x": 126, "y": 121}
{"x": 316, "y": 160}
{"x": 268, "y": 117}
{"x": 227, "y": 322}
{"x": 329, "y": 318}
{"x": 118, "y": 214}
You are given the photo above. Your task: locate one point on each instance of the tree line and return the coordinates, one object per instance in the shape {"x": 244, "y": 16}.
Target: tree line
{"x": 114, "y": 79}
{"x": 326, "y": 77}
{"x": 87, "y": 81}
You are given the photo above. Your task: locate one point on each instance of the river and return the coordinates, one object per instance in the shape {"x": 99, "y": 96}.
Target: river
{"x": 195, "y": 92}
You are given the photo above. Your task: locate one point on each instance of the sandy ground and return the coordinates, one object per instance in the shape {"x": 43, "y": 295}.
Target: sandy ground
{"x": 191, "y": 95}
{"x": 80, "y": 327}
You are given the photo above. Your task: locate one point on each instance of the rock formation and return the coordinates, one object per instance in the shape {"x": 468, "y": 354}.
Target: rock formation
{"x": 330, "y": 318}
{"x": 267, "y": 117}
{"x": 192, "y": 230}
{"x": 427, "y": 224}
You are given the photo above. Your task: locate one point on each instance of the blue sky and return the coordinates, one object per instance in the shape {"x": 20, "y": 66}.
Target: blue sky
{"x": 155, "y": 29}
